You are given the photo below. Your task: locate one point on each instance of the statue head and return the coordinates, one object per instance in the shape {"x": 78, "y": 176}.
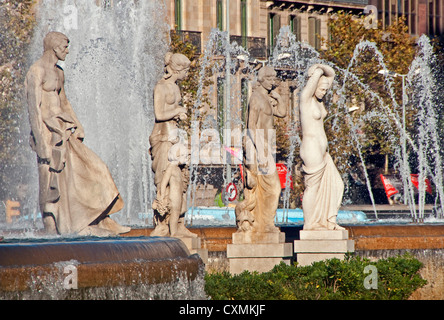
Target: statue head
{"x": 266, "y": 77}
{"x": 58, "y": 43}
{"x": 176, "y": 63}
{"x": 323, "y": 86}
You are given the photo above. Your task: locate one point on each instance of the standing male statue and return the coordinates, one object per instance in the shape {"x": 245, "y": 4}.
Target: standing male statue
{"x": 323, "y": 184}
{"x": 262, "y": 185}
{"x": 76, "y": 191}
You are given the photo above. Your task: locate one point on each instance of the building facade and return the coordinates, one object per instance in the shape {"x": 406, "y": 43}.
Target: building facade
{"x": 256, "y": 23}
{"x": 422, "y": 16}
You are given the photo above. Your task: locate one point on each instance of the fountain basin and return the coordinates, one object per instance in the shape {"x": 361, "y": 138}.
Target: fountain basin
{"x": 367, "y": 237}
{"x": 50, "y": 265}
{"x": 216, "y": 216}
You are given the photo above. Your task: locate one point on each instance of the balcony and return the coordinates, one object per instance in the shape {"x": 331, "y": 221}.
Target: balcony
{"x": 194, "y": 37}
{"x": 255, "y": 46}
{"x": 362, "y": 2}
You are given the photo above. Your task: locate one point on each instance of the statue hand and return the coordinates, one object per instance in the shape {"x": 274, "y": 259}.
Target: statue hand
{"x": 313, "y": 68}
{"x": 324, "y": 69}
{"x": 183, "y": 116}
{"x": 275, "y": 95}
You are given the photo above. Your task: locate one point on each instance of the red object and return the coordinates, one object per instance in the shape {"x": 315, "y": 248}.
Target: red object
{"x": 388, "y": 186}
{"x": 282, "y": 172}
{"x": 231, "y": 191}
{"x": 241, "y": 169}
{"x": 415, "y": 181}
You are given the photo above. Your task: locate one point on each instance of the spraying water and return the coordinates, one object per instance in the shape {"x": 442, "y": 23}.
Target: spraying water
{"x": 116, "y": 57}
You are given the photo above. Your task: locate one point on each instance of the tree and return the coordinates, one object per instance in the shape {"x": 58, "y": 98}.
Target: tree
{"x": 189, "y": 87}
{"x": 374, "y": 128}
{"x": 17, "y": 21}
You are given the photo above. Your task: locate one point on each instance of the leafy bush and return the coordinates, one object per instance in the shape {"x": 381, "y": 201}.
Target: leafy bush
{"x": 397, "y": 278}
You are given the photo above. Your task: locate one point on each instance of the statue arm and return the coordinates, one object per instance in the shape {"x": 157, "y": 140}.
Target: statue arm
{"x": 254, "y": 129}
{"x": 315, "y": 73}
{"x": 280, "y": 110}
{"x": 328, "y": 72}
{"x": 253, "y": 116}
{"x": 160, "y": 111}
{"x": 66, "y": 107}
{"x": 34, "y": 87}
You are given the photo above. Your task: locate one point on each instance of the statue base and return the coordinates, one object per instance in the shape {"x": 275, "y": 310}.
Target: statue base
{"x": 258, "y": 251}
{"x": 194, "y": 245}
{"x": 318, "y": 245}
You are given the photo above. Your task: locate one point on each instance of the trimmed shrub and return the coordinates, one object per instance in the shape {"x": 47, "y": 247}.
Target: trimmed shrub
{"x": 397, "y": 278}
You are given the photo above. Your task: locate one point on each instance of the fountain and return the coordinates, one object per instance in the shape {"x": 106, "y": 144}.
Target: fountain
{"x": 112, "y": 64}
{"x": 88, "y": 268}
{"x": 109, "y": 77}
{"x": 111, "y": 39}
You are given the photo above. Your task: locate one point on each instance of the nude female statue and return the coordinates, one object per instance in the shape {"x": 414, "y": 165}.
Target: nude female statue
{"x": 167, "y": 176}
{"x": 323, "y": 184}
{"x": 76, "y": 191}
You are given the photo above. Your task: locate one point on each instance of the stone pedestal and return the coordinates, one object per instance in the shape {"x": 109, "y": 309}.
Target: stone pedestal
{"x": 255, "y": 251}
{"x": 317, "y": 245}
{"x": 194, "y": 246}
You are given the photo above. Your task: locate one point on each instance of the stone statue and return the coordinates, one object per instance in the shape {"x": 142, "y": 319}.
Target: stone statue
{"x": 323, "y": 184}
{"x": 170, "y": 204}
{"x": 262, "y": 187}
{"x": 76, "y": 191}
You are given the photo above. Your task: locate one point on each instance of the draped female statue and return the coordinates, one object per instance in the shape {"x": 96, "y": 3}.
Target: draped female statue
{"x": 170, "y": 203}
{"x": 323, "y": 184}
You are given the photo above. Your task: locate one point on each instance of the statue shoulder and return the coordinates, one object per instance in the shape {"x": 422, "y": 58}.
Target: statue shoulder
{"x": 162, "y": 84}
{"x": 257, "y": 99}
{"x": 36, "y": 71}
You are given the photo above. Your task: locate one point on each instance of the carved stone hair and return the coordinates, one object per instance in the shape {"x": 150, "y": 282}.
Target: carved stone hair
{"x": 53, "y": 39}
{"x": 175, "y": 62}
{"x": 266, "y": 71}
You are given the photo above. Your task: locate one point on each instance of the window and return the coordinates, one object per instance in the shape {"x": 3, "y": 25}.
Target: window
{"x": 244, "y": 30}
{"x": 274, "y": 25}
{"x": 393, "y": 10}
{"x": 413, "y": 16}
{"x": 178, "y": 14}
{"x": 314, "y": 32}
{"x": 434, "y": 17}
{"x": 219, "y": 15}
{"x": 431, "y": 18}
{"x": 386, "y": 13}
{"x": 295, "y": 26}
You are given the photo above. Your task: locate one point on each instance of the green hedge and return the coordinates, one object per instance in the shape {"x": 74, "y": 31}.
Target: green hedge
{"x": 337, "y": 279}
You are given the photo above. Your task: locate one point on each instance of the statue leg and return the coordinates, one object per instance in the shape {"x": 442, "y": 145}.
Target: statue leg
{"x": 308, "y": 205}
{"x": 47, "y": 209}
{"x": 181, "y": 229}
{"x": 175, "y": 200}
